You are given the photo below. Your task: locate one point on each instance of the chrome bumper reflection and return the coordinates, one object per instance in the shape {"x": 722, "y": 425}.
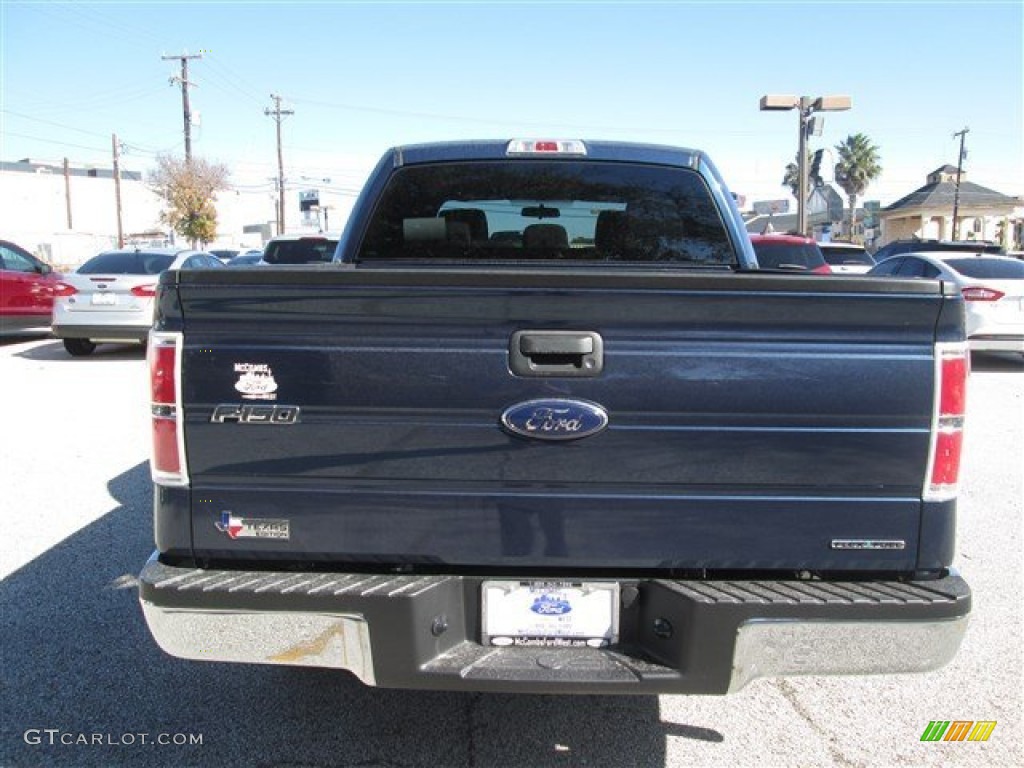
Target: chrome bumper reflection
{"x": 338, "y": 641}
{"x": 767, "y": 648}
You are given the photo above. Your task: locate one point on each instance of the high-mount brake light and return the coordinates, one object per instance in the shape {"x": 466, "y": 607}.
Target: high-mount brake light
{"x": 980, "y": 293}
{"x": 546, "y": 147}
{"x": 147, "y": 291}
{"x": 952, "y": 368}
{"x": 168, "y": 461}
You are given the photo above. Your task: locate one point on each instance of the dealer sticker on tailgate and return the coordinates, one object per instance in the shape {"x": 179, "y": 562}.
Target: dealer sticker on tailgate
{"x": 550, "y": 613}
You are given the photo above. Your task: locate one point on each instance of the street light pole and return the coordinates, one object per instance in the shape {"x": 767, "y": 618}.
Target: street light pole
{"x": 805, "y": 106}
{"x": 805, "y": 113}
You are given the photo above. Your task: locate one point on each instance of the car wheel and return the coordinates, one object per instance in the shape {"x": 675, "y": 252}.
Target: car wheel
{"x": 79, "y": 347}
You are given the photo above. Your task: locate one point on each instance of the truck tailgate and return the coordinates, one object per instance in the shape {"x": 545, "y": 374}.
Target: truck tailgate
{"x": 754, "y": 420}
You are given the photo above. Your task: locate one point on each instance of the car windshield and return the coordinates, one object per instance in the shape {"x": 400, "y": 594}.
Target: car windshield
{"x": 127, "y": 263}
{"x": 991, "y": 269}
{"x": 802, "y": 256}
{"x": 548, "y": 210}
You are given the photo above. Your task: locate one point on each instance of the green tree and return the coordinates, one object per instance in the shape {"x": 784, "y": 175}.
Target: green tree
{"x": 858, "y": 166}
{"x": 792, "y": 177}
{"x": 189, "y": 189}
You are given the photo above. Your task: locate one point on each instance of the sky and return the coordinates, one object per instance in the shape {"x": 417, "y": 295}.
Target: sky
{"x": 362, "y": 77}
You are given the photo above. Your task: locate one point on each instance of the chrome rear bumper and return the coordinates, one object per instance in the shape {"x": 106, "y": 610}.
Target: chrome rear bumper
{"x": 675, "y": 636}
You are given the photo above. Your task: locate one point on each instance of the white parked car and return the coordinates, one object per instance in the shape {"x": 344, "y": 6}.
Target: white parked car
{"x": 111, "y": 296}
{"x": 993, "y": 287}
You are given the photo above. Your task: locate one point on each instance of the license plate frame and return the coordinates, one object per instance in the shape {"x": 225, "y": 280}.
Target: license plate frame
{"x": 555, "y": 613}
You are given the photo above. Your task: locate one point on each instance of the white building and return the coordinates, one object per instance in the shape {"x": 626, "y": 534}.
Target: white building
{"x": 66, "y": 214}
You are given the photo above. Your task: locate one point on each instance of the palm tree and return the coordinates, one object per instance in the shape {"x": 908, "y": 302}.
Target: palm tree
{"x": 792, "y": 177}
{"x": 858, "y": 166}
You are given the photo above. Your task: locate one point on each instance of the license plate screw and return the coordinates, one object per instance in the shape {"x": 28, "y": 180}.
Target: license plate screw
{"x": 439, "y": 625}
{"x": 663, "y": 628}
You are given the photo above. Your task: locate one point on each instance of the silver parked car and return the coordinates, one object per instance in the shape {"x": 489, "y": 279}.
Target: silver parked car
{"x": 111, "y": 296}
{"x": 993, "y": 287}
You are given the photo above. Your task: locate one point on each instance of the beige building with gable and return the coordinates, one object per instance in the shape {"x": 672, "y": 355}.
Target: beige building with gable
{"x": 927, "y": 213}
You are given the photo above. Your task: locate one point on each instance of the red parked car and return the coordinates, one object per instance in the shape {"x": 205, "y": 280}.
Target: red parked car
{"x": 790, "y": 252}
{"x": 26, "y": 290}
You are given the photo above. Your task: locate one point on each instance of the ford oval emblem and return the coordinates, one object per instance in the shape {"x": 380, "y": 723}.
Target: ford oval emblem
{"x": 555, "y": 419}
{"x": 551, "y": 605}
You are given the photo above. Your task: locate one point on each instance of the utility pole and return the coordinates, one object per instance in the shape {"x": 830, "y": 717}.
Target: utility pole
{"x": 959, "y": 168}
{"x": 117, "y": 188}
{"x": 277, "y": 113}
{"x": 67, "y": 190}
{"x": 185, "y": 85}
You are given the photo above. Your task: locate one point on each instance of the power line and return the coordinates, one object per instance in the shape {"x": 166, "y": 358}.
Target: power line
{"x": 232, "y": 80}
{"x": 98, "y": 102}
{"x": 52, "y": 141}
{"x": 51, "y": 122}
{"x": 547, "y": 125}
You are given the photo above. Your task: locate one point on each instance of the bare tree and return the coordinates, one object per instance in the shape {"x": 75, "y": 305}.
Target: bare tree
{"x": 188, "y": 189}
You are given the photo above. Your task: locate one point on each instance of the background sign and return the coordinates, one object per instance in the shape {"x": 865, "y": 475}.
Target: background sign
{"x": 767, "y": 207}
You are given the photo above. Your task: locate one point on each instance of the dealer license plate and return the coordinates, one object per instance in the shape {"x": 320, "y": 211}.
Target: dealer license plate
{"x": 104, "y": 299}
{"x": 550, "y": 613}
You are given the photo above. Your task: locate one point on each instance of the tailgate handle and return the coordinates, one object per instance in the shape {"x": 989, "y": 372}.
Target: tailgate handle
{"x": 556, "y": 353}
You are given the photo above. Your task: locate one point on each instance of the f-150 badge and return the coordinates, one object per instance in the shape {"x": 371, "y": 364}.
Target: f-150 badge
{"x": 555, "y": 419}
{"x": 252, "y": 527}
{"x": 256, "y": 382}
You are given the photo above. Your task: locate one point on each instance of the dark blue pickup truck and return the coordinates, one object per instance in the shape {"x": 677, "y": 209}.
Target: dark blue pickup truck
{"x": 543, "y": 425}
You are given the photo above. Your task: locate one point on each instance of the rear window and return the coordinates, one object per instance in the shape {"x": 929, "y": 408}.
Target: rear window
{"x": 990, "y": 269}
{"x": 839, "y": 257}
{"x": 979, "y": 248}
{"x": 127, "y": 263}
{"x": 545, "y": 210}
{"x": 782, "y": 255}
{"x": 304, "y": 250}
{"x": 910, "y": 246}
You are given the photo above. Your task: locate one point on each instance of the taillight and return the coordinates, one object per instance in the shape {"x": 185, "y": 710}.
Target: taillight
{"x": 952, "y": 367}
{"x": 63, "y": 289}
{"x": 824, "y": 269}
{"x": 167, "y": 466}
{"x": 144, "y": 291}
{"x": 981, "y": 293}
